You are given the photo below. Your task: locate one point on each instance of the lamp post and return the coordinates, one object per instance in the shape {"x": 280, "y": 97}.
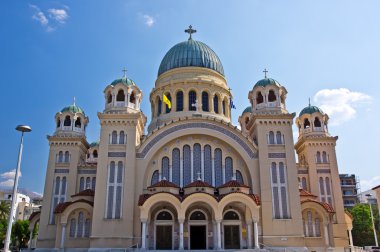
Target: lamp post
{"x": 22, "y": 129}
{"x": 373, "y": 222}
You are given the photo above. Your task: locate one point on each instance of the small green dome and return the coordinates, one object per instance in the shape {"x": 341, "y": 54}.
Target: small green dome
{"x": 310, "y": 110}
{"x": 95, "y": 143}
{"x": 190, "y": 53}
{"x": 73, "y": 109}
{"x": 247, "y": 109}
{"x": 125, "y": 81}
{"x": 266, "y": 82}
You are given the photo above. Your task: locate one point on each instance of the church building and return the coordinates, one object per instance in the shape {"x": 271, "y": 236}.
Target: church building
{"x": 191, "y": 180}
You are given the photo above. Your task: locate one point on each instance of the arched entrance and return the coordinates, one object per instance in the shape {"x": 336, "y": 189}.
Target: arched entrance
{"x": 164, "y": 228}
{"x": 231, "y": 230}
{"x": 198, "y": 230}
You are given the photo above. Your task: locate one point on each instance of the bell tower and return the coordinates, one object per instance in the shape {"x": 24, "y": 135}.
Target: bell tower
{"x": 318, "y": 168}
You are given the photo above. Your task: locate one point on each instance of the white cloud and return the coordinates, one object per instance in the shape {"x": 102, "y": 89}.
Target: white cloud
{"x": 39, "y": 15}
{"x": 369, "y": 184}
{"x": 341, "y": 104}
{"x": 60, "y": 15}
{"x": 8, "y": 178}
{"x": 149, "y": 20}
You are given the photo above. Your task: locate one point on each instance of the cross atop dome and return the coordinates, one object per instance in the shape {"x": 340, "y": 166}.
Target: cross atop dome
{"x": 265, "y": 73}
{"x": 124, "y": 70}
{"x": 190, "y": 31}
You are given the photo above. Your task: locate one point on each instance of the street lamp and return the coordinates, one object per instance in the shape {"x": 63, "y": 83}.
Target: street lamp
{"x": 23, "y": 129}
{"x": 373, "y": 222}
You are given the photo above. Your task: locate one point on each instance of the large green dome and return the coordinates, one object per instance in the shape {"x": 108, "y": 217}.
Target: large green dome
{"x": 190, "y": 53}
{"x": 310, "y": 110}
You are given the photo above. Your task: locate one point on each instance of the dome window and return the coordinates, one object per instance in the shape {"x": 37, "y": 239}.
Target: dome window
{"x": 159, "y": 107}
{"x": 224, "y": 107}
{"x": 306, "y": 124}
{"x": 216, "y": 104}
{"x": 192, "y": 100}
{"x": 78, "y": 123}
{"x": 317, "y": 122}
{"x": 179, "y": 101}
{"x": 120, "y": 95}
{"x": 95, "y": 154}
{"x": 132, "y": 98}
{"x": 271, "y": 96}
{"x": 58, "y": 123}
{"x": 109, "y": 98}
{"x": 259, "y": 98}
{"x": 167, "y": 109}
{"x": 67, "y": 121}
{"x": 205, "y": 106}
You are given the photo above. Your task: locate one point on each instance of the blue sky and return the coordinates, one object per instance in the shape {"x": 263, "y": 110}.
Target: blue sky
{"x": 52, "y": 51}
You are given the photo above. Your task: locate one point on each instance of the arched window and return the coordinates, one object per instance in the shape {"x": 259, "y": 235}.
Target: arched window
{"x": 114, "y": 137}
{"x": 322, "y": 190}
{"x": 87, "y": 228}
{"x": 229, "y": 167}
{"x": 155, "y": 177}
{"x": 317, "y": 122}
{"x": 310, "y": 224}
{"x": 192, "y": 100}
{"x": 271, "y": 96}
{"x": 132, "y": 98}
{"x": 63, "y": 186}
{"x": 224, "y": 107}
{"x": 78, "y": 123}
{"x": 58, "y": 123}
{"x": 205, "y": 106}
{"x": 279, "y": 137}
{"x": 67, "y": 157}
{"x": 317, "y": 227}
{"x": 197, "y": 215}
{"x": 239, "y": 177}
{"x": 259, "y": 98}
{"x": 95, "y": 154}
{"x": 67, "y": 121}
{"x": 306, "y": 123}
{"x": 93, "y": 183}
{"x": 88, "y": 183}
{"x": 197, "y": 161}
{"x": 318, "y": 157}
{"x": 109, "y": 98}
{"x": 164, "y": 215}
{"x": 218, "y": 167}
{"x": 159, "y": 107}
{"x": 207, "y": 164}
{"x": 57, "y": 185}
{"x": 216, "y": 104}
{"x": 271, "y": 137}
{"x": 324, "y": 157}
{"x": 186, "y": 165}
{"x": 279, "y": 191}
{"x": 81, "y": 184}
{"x": 60, "y": 157}
{"x": 121, "y": 137}
{"x": 120, "y": 95}
{"x": 176, "y": 166}
{"x": 179, "y": 101}
{"x": 304, "y": 184}
{"x": 165, "y": 168}
{"x": 114, "y": 190}
{"x": 80, "y": 224}
{"x": 73, "y": 226}
{"x": 167, "y": 109}
{"x": 231, "y": 215}
{"x": 328, "y": 190}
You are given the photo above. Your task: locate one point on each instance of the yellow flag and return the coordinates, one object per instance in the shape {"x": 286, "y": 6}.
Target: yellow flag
{"x": 167, "y": 101}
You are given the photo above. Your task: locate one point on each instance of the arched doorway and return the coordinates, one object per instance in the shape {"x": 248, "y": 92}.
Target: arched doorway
{"x": 164, "y": 227}
{"x": 198, "y": 230}
{"x": 231, "y": 230}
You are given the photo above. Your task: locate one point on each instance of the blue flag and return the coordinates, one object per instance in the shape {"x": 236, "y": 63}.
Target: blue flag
{"x": 232, "y": 105}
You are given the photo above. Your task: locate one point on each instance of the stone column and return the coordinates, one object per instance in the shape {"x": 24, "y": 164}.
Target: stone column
{"x": 256, "y": 234}
{"x": 218, "y": 237}
{"x": 327, "y": 239}
{"x": 63, "y": 233}
{"x": 143, "y": 234}
{"x": 249, "y": 234}
{"x": 180, "y": 234}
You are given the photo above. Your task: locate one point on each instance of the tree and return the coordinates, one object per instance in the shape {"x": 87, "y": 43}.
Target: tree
{"x": 3, "y": 231}
{"x": 4, "y": 210}
{"x": 362, "y": 232}
{"x": 20, "y": 233}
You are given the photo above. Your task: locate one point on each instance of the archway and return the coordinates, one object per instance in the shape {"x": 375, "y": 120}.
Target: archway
{"x": 232, "y": 229}
{"x": 163, "y": 230}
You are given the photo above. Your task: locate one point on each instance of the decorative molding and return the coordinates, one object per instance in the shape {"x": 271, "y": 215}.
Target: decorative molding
{"x": 276, "y": 155}
{"x": 61, "y": 170}
{"x": 323, "y": 171}
{"x": 86, "y": 171}
{"x": 200, "y": 125}
{"x": 117, "y": 154}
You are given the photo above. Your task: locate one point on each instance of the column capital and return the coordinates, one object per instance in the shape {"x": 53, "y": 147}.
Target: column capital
{"x": 143, "y": 220}
{"x": 63, "y": 224}
{"x": 218, "y": 220}
{"x": 181, "y": 220}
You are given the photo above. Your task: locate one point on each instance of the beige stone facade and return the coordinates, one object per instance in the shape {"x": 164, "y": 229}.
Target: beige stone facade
{"x": 195, "y": 180}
